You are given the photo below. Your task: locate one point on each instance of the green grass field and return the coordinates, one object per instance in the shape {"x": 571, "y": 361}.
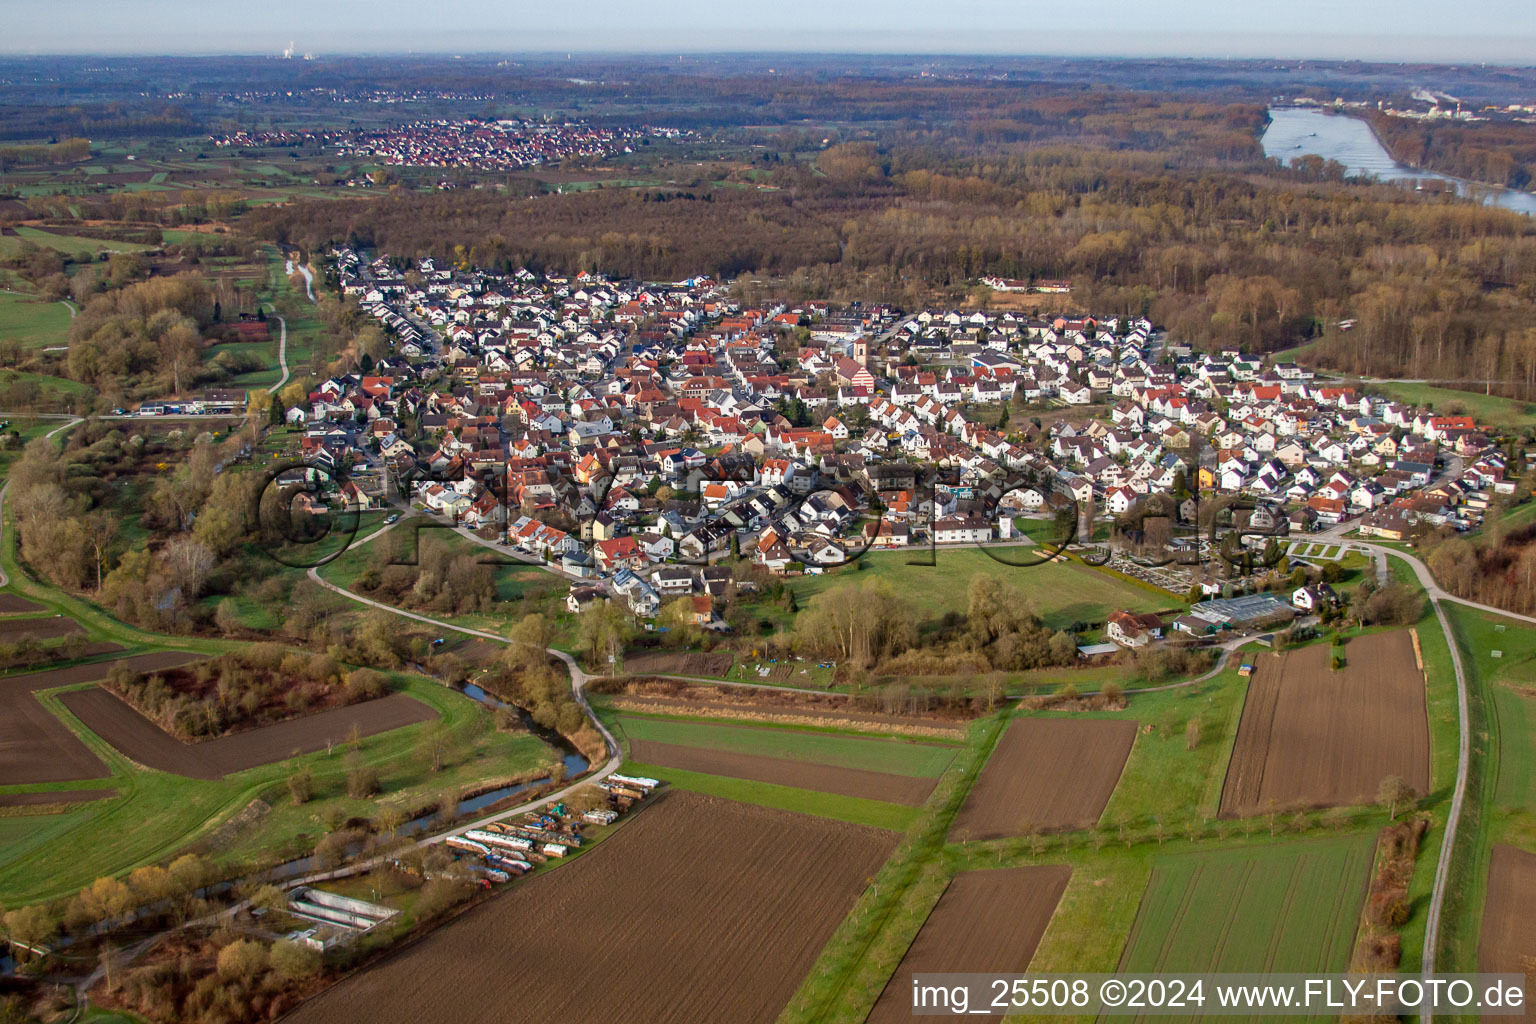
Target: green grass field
{"x": 892, "y": 756}
{"x": 854, "y": 810}
{"x": 1501, "y": 798}
{"x": 43, "y": 391}
{"x": 1486, "y": 409}
{"x": 1163, "y": 779}
{"x": 517, "y": 583}
{"x": 1292, "y": 907}
{"x": 73, "y": 246}
{"x": 1060, "y": 592}
{"x": 31, "y": 322}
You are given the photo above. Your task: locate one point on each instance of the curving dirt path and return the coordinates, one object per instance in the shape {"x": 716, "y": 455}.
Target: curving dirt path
{"x": 282, "y": 355}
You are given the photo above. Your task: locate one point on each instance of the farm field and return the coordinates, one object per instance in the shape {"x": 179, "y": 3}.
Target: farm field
{"x": 897, "y": 789}
{"x": 865, "y": 768}
{"x": 145, "y": 743}
{"x": 832, "y": 715}
{"x": 12, "y": 630}
{"x": 986, "y": 921}
{"x": 1313, "y": 737}
{"x": 1291, "y": 907}
{"x": 1046, "y": 774}
{"x": 694, "y": 888}
{"x": 1500, "y": 810}
{"x": 1061, "y": 592}
{"x": 37, "y": 747}
{"x": 54, "y": 796}
{"x": 895, "y": 756}
{"x": 44, "y": 392}
{"x": 1508, "y": 938}
{"x": 76, "y": 246}
{"x": 157, "y": 814}
{"x": 11, "y": 604}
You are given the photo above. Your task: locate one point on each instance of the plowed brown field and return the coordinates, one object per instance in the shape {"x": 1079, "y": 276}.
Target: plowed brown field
{"x": 1508, "y": 940}
{"x": 701, "y": 910}
{"x": 896, "y": 789}
{"x": 747, "y": 710}
{"x": 54, "y": 796}
{"x": 1046, "y": 774}
{"x": 139, "y": 739}
{"x": 10, "y": 603}
{"x": 986, "y": 922}
{"x": 37, "y": 747}
{"x": 668, "y": 663}
{"x": 1313, "y": 737}
{"x": 12, "y": 630}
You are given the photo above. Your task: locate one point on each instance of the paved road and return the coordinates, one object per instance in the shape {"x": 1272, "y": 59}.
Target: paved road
{"x": 1437, "y": 597}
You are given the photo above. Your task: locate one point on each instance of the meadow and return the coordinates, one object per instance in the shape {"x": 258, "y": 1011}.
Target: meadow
{"x": 31, "y": 322}
{"x": 1061, "y": 593}
{"x": 1285, "y": 908}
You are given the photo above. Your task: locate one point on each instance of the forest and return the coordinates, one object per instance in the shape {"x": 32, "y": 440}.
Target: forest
{"x": 1496, "y": 152}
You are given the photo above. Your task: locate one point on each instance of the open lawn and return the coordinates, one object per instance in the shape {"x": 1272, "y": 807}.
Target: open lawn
{"x": 1061, "y": 593}
{"x": 1290, "y": 907}
{"x": 31, "y": 322}
{"x": 1501, "y": 806}
{"x": 520, "y": 587}
{"x": 75, "y": 247}
{"x": 39, "y": 391}
{"x": 1491, "y": 410}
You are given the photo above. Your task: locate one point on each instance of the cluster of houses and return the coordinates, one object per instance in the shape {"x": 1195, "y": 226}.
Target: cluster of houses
{"x": 615, "y": 429}
{"x": 501, "y": 145}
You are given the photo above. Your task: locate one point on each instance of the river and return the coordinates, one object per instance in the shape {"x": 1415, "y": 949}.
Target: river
{"x": 1294, "y": 132}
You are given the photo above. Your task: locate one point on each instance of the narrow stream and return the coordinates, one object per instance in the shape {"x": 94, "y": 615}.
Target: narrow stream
{"x": 575, "y": 764}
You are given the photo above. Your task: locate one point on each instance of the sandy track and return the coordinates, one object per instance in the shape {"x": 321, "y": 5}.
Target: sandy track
{"x": 139, "y": 739}
{"x": 896, "y": 789}
{"x": 1046, "y": 774}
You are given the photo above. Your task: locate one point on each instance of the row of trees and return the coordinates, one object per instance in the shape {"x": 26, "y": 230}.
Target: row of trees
{"x": 867, "y": 626}
{"x": 260, "y": 685}
{"x": 427, "y": 573}
{"x": 1498, "y": 569}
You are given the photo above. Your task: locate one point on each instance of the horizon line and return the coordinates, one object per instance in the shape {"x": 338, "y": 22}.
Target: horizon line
{"x": 801, "y": 55}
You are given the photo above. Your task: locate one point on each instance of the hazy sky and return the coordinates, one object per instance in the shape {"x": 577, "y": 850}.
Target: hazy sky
{"x": 1497, "y": 31}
